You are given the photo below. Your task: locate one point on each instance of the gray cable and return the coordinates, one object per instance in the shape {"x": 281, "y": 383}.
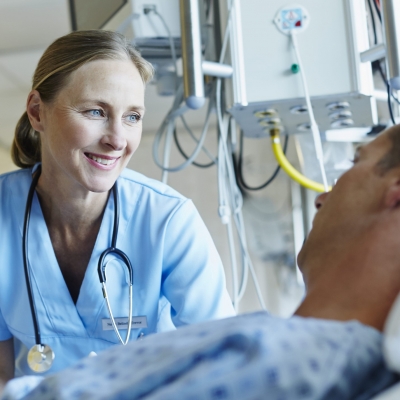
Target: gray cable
{"x": 187, "y": 127}
{"x": 172, "y": 115}
{"x": 235, "y": 198}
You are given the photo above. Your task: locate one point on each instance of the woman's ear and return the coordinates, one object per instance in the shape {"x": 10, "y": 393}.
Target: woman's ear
{"x": 34, "y": 107}
{"x": 392, "y": 196}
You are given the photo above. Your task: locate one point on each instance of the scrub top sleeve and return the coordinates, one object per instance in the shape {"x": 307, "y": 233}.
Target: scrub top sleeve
{"x": 193, "y": 275}
{"x": 5, "y": 334}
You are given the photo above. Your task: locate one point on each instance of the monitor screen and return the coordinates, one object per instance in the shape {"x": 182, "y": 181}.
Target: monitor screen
{"x": 93, "y": 14}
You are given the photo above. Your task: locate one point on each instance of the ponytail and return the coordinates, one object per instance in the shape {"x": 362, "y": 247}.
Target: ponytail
{"x": 25, "y": 150}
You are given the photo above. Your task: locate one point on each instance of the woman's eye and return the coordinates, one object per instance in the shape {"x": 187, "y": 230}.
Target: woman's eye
{"x": 95, "y": 113}
{"x": 133, "y": 118}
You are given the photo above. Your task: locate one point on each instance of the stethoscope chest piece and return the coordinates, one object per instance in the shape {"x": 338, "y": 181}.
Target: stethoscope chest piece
{"x": 40, "y": 358}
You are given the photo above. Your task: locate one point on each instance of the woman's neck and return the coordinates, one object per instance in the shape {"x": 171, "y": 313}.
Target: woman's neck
{"x": 66, "y": 209}
{"x": 73, "y": 217}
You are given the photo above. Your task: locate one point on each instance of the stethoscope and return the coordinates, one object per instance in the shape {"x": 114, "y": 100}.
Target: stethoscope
{"x": 41, "y": 356}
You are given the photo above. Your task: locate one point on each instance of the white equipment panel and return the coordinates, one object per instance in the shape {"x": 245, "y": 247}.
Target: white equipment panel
{"x": 267, "y": 87}
{"x": 149, "y": 26}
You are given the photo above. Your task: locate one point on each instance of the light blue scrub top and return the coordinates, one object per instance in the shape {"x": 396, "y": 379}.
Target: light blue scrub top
{"x": 178, "y": 275}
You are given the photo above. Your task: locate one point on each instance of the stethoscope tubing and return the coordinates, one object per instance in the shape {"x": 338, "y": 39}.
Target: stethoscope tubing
{"x": 38, "y": 339}
{"x": 101, "y": 264}
{"x": 128, "y": 332}
{"x": 101, "y": 267}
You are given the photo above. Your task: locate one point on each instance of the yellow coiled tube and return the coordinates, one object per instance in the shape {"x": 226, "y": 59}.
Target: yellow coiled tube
{"x": 288, "y": 168}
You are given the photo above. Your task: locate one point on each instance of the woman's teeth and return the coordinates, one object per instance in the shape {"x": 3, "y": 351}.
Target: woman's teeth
{"x": 102, "y": 161}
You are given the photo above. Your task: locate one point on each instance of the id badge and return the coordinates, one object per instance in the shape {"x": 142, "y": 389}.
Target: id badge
{"x": 122, "y": 323}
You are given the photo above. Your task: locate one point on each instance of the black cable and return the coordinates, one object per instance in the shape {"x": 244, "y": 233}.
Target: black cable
{"x": 373, "y": 21}
{"x": 390, "y": 94}
{"x": 395, "y": 98}
{"x": 377, "y": 64}
{"x": 184, "y": 155}
{"x": 389, "y": 91}
{"x": 378, "y": 11}
{"x": 240, "y": 166}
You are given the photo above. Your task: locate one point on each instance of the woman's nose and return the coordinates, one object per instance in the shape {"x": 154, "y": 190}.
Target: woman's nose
{"x": 115, "y": 137}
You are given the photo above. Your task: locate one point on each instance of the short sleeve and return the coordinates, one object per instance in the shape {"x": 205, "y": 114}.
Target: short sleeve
{"x": 5, "y": 333}
{"x": 193, "y": 275}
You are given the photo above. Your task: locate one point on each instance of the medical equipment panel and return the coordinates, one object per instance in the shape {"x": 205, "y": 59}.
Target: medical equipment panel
{"x": 267, "y": 83}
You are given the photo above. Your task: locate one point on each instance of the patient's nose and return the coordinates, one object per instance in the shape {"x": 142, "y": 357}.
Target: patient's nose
{"x": 319, "y": 200}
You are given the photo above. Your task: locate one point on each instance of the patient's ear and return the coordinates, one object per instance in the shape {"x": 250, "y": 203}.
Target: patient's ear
{"x": 33, "y": 108}
{"x": 392, "y": 197}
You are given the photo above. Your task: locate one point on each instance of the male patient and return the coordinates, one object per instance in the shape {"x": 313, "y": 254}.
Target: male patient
{"x": 330, "y": 349}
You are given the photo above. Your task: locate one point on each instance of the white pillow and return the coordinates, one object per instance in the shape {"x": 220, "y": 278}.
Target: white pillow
{"x": 391, "y": 338}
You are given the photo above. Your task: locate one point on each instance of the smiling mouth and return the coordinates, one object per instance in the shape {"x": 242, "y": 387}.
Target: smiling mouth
{"x": 100, "y": 160}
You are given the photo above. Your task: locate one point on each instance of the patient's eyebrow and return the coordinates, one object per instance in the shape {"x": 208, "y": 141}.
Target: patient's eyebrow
{"x": 357, "y": 152}
{"x": 360, "y": 151}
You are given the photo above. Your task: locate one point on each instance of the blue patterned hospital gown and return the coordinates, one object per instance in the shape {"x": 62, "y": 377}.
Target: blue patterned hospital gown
{"x": 252, "y": 356}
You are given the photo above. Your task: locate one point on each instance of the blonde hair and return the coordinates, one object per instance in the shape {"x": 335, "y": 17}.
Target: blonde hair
{"x": 61, "y": 58}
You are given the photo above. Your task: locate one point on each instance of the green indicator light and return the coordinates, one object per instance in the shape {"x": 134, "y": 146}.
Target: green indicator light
{"x": 295, "y": 68}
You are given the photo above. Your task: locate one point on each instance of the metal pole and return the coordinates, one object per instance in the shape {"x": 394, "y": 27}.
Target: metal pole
{"x": 390, "y": 10}
{"x": 193, "y": 83}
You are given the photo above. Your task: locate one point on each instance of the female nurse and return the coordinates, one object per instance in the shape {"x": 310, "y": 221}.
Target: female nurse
{"x": 82, "y": 124}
